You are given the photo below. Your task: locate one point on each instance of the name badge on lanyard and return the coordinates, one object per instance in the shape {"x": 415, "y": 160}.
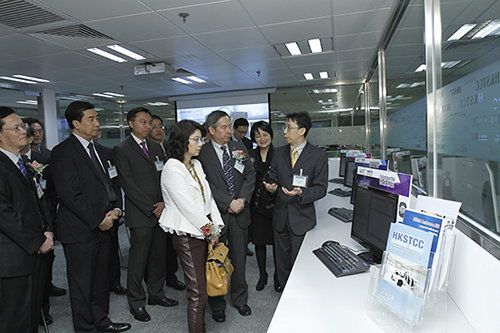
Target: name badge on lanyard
{"x": 300, "y": 180}
{"x": 158, "y": 164}
{"x": 239, "y": 166}
{"x": 112, "y": 171}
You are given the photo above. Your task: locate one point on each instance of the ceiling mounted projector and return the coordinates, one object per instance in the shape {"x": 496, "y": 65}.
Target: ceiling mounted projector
{"x": 153, "y": 68}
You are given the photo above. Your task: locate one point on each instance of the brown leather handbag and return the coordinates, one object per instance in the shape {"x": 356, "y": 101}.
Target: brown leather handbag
{"x": 218, "y": 269}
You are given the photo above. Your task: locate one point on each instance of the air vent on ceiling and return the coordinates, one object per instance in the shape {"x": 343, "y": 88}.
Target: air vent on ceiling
{"x": 21, "y": 14}
{"x": 77, "y": 30}
{"x": 463, "y": 43}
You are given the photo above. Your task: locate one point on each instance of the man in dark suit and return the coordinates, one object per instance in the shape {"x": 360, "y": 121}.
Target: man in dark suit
{"x": 231, "y": 176}
{"x": 86, "y": 212}
{"x": 139, "y": 163}
{"x": 299, "y": 177}
{"x": 240, "y": 130}
{"x": 115, "y": 284}
{"x": 172, "y": 265}
{"x": 21, "y": 230}
{"x": 42, "y": 155}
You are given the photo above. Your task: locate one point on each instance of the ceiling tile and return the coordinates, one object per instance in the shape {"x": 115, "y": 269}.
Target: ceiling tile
{"x": 348, "y": 24}
{"x": 298, "y": 30}
{"x": 211, "y": 17}
{"x": 250, "y": 54}
{"x": 275, "y": 11}
{"x": 341, "y": 7}
{"x": 357, "y": 41}
{"x": 88, "y": 10}
{"x": 170, "y": 4}
{"x": 232, "y": 39}
{"x": 175, "y": 46}
{"x": 325, "y": 58}
{"x": 22, "y": 46}
{"x": 137, "y": 27}
{"x": 67, "y": 60}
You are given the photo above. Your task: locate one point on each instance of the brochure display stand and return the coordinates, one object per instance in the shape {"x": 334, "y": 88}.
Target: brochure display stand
{"x": 408, "y": 292}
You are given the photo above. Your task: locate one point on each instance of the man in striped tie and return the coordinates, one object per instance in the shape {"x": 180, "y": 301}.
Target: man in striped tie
{"x": 21, "y": 230}
{"x": 298, "y": 177}
{"x": 231, "y": 176}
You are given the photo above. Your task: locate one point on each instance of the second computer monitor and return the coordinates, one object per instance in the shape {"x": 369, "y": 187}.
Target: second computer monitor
{"x": 350, "y": 168}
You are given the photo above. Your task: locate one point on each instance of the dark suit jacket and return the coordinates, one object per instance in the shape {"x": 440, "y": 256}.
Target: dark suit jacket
{"x": 244, "y": 183}
{"x": 83, "y": 200}
{"x": 115, "y": 183}
{"x": 248, "y": 143}
{"x": 43, "y": 156}
{"x": 140, "y": 181}
{"x": 298, "y": 210}
{"x": 21, "y": 232}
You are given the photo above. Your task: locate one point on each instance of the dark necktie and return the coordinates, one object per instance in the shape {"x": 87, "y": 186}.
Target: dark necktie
{"x": 228, "y": 170}
{"x": 101, "y": 172}
{"x": 145, "y": 149}
{"x": 22, "y": 167}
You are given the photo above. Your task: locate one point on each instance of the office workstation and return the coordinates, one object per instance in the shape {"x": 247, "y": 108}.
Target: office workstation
{"x": 404, "y": 87}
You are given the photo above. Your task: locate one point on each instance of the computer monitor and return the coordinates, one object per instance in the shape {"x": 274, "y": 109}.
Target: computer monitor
{"x": 342, "y": 165}
{"x": 374, "y": 211}
{"x": 349, "y": 172}
{"x": 401, "y": 162}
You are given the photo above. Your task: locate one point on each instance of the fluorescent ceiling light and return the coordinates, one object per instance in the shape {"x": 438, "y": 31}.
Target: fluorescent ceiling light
{"x": 489, "y": 28}
{"x": 157, "y": 103}
{"x": 106, "y": 54}
{"x": 462, "y": 31}
{"x": 293, "y": 48}
{"x": 28, "y": 101}
{"x": 98, "y": 109}
{"x": 450, "y": 64}
{"x": 320, "y": 101}
{"x": 178, "y": 79}
{"x": 308, "y": 76}
{"x": 113, "y": 94}
{"x": 195, "y": 79}
{"x": 102, "y": 95}
{"x": 16, "y": 80}
{"x": 30, "y": 78}
{"x": 421, "y": 68}
{"x": 410, "y": 85}
{"x": 126, "y": 52}
{"x": 323, "y": 75}
{"x": 315, "y": 45}
{"x": 324, "y": 91}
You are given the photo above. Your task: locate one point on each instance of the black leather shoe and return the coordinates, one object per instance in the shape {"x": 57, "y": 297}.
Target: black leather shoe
{"x": 262, "y": 282}
{"x": 48, "y": 319}
{"x": 115, "y": 327}
{"x": 56, "y": 291}
{"x": 166, "y": 302}
{"x": 249, "y": 252}
{"x": 219, "y": 316}
{"x": 244, "y": 310}
{"x": 119, "y": 290}
{"x": 176, "y": 284}
{"x": 140, "y": 314}
{"x": 277, "y": 286}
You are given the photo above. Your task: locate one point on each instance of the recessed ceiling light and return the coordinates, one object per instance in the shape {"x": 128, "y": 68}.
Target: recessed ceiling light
{"x": 444, "y": 65}
{"x": 489, "y": 28}
{"x": 421, "y": 68}
{"x": 293, "y": 48}
{"x": 113, "y": 94}
{"x": 30, "y": 78}
{"x": 157, "y": 103}
{"x": 323, "y": 75}
{"x": 28, "y": 101}
{"x": 16, "y": 79}
{"x": 462, "y": 31}
{"x": 308, "y": 76}
{"x": 324, "y": 91}
{"x": 315, "y": 45}
{"x": 98, "y": 109}
{"x": 196, "y": 79}
{"x": 102, "y": 95}
{"x": 126, "y": 52}
{"x": 106, "y": 54}
{"x": 178, "y": 79}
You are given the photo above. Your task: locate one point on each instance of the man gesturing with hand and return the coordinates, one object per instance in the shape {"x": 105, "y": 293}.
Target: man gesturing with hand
{"x": 87, "y": 210}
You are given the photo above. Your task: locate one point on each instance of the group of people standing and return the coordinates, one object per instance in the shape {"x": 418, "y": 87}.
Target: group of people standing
{"x": 202, "y": 185}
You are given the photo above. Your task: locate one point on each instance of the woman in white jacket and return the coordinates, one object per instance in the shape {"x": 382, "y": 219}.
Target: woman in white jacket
{"x": 190, "y": 214}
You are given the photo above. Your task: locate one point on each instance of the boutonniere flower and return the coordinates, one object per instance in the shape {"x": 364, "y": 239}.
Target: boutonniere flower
{"x": 239, "y": 155}
{"x": 37, "y": 167}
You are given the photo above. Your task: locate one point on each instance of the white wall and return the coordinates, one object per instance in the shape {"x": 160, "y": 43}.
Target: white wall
{"x": 474, "y": 284}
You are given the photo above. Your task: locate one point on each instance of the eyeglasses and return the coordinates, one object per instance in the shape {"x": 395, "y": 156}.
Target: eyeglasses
{"x": 17, "y": 127}
{"x": 158, "y": 127}
{"x": 200, "y": 141}
{"x": 287, "y": 128}
{"x": 39, "y": 131}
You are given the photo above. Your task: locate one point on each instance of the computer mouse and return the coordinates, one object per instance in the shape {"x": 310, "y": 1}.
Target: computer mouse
{"x": 329, "y": 242}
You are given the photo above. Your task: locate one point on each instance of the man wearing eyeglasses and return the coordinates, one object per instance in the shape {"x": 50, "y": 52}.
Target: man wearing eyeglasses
{"x": 298, "y": 177}
{"x": 37, "y": 145}
{"x": 139, "y": 162}
{"x": 158, "y": 134}
{"x": 240, "y": 130}
{"x": 21, "y": 230}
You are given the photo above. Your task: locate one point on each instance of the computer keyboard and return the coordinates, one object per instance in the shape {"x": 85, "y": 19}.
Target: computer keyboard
{"x": 342, "y": 214}
{"x": 340, "y": 260}
{"x": 340, "y": 192}
{"x": 337, "y": 181}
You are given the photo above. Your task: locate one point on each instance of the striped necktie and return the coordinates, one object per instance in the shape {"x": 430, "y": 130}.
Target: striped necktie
{"x": 294, "y": 157}
{"x": 228, "y": 170}
{"x": 21, "y": 167}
